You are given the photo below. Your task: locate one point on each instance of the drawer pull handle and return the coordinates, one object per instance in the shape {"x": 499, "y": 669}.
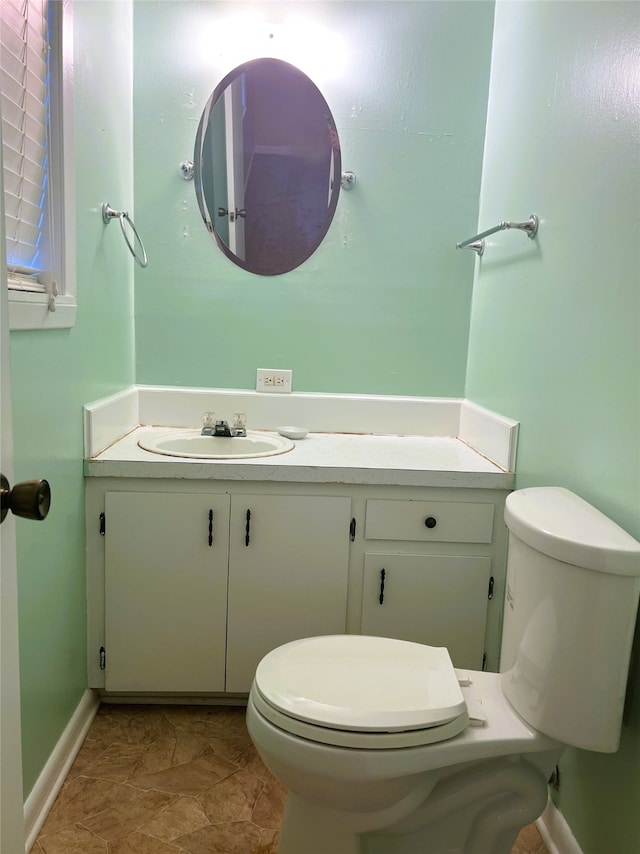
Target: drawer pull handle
{"x": 210, "y": 528}
{"x": 430, "y": 522}
{"x": 247, "y": 528}
{"x": 382, "y": 577}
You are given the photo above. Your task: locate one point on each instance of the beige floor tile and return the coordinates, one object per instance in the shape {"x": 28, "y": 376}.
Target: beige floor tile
{"x": 190, "y": 778}
{"x": 232, "y": 799}
{"x": 529, "y": 841}
{"x": 117, "y": 763}
{"x": 75, "y": 840}
{"x": 176, "y": 749}
{"x": 251, "y": 762}
{"x": 269, "y": 806}
{"x": 130, "y": 724}
{"x": 269, "y": 847}
{"x": 79, "y": 799}
{"x": 231, "y": 838}
{"x": 90, "y": 751}
{"x": 230, "y": 745}
{"x": 182, "y": 815}
{"x": 174, "y": 780}
{"x": 139, "y": 843}
{"x": 130, "y": 809}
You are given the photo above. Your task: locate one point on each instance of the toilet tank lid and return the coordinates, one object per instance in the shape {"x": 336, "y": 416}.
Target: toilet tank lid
{"x": 563, "y": 526}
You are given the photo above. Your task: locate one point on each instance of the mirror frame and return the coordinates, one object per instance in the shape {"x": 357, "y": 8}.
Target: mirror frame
{"x": 203, "y": 126}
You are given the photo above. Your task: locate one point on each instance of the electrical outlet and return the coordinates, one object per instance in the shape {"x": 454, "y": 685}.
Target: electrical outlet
{"x": 273, "y": 380}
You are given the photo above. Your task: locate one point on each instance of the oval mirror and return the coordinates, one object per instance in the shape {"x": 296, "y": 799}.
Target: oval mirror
{"x": 267, "y": 166}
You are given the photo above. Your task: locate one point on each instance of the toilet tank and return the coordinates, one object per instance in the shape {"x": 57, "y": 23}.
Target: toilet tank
{"x": 573, "y": 578}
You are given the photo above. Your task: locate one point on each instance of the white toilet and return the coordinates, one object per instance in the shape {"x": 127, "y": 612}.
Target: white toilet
{"x": 386, "y": 749}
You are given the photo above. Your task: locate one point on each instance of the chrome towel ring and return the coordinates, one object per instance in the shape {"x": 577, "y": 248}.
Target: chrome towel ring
{"x": 108, "y": 213}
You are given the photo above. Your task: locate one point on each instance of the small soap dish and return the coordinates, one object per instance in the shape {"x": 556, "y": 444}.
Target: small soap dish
{"x": 292, "y": 432}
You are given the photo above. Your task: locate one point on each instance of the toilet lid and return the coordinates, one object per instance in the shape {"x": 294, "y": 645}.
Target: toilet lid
{"x": 361, "y": 683}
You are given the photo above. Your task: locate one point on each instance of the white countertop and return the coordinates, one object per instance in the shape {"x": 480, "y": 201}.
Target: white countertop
{"x": 319, "y": 458}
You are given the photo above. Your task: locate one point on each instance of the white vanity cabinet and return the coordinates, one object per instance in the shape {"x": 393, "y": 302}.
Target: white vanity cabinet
{"x": 434, "y": 581}
{"x": 173, "y": 611}
{"x": 198, "y": 585}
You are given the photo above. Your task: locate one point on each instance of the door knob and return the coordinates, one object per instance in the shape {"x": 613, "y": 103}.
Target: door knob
{"x": 30, "y": 499}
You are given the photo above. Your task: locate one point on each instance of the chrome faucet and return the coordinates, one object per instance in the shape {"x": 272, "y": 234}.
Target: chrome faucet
{"x": 222, "y": 429}
{"x": 211, "y": 426}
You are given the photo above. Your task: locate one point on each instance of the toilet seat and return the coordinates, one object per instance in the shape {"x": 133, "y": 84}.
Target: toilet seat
{"x": 360, "y": 691}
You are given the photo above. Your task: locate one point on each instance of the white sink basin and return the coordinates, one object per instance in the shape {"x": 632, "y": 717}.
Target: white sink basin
{"x": 190, "y": 443}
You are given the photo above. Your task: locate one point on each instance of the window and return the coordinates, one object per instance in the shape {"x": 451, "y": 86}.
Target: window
{"x": 35, "y": 84}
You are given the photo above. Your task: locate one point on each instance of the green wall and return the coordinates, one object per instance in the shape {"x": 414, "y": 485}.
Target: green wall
{"x": 555, "y": 326}
{"x": 383, "y": 305}
{"x": 56, "y": 371}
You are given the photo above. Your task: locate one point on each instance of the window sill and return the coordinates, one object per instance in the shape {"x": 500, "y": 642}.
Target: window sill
{"x": 31, "y": 311}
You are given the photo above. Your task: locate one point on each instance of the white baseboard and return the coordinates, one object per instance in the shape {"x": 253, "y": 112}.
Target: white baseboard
{"x": 53, "y": 775}
{"x": 556, "y": 833}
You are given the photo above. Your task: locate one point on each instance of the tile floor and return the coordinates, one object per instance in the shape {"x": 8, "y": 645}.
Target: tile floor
{"x": 173, "y": 779}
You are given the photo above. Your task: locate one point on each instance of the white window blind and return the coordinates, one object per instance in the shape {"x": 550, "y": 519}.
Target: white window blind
{"x": 24, "y": 74}
{"x": 36, "y": 90}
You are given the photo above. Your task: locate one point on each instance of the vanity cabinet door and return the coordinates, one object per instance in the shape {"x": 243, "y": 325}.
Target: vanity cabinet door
{"x": 166, "y": 561}
{"x": 288, "y": 563}
{"x": 439, "y": 600}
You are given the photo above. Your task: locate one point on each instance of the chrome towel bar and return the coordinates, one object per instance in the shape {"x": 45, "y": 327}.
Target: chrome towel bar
{"x": 108, "y": 213}
{"x": 477, "y": 241}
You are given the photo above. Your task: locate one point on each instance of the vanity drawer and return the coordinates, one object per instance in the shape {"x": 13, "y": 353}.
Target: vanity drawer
{"x": 429, "y": 521}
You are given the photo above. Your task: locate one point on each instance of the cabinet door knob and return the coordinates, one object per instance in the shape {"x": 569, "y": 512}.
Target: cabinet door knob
{"x": 30, "y": 499}
{"x": 430, "y": 522}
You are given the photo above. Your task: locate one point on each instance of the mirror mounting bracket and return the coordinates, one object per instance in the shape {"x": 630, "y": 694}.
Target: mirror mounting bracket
{"x": 347, "y": 180}
{"x": 187, "y": 170}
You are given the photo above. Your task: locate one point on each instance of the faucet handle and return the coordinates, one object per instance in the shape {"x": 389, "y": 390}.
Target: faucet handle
{"x": 208, "y": 422}
{"x": 239, "y": 425}
{"x": 239, "y": 420}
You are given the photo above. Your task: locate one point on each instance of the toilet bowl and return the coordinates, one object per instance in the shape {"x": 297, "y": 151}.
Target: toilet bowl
{"x": 385, "y": 748}
{"x": 383, "y": 767}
